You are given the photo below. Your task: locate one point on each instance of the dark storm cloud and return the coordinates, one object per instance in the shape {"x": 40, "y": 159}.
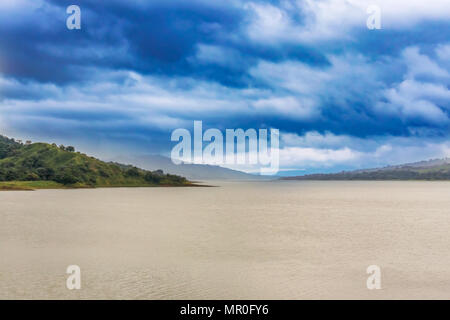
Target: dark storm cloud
{"x": 155, "y": 38}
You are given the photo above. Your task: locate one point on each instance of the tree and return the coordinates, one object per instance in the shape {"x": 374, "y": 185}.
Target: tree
{"x": 11, "y": 175}
{"x": 152, "y": 178}
{"x": 45, "y": 173}
{"x": 132, "y": 172}
{"x": 66, "y": 176}
{"x": 32, "y": 162}
{"x": 70, "y": 149}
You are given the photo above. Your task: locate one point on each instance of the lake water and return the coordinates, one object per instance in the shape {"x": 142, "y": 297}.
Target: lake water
{"x": 249, "y": 240}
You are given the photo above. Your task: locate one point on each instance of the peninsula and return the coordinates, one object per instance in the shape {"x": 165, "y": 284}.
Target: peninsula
{"x": 29, "y": 166}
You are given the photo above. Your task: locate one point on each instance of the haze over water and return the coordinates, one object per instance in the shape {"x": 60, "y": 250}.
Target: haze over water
{"x": 247, "y": 240}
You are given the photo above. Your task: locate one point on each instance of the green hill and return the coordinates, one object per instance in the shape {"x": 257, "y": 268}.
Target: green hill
{"x": 41, "y": 165}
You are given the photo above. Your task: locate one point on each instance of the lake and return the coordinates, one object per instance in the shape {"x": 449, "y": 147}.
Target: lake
{"x": 241, "y": 240}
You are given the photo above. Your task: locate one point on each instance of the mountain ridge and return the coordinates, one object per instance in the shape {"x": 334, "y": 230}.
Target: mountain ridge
{"x": 189, "y": 170}
{"x": 433, "y": 169}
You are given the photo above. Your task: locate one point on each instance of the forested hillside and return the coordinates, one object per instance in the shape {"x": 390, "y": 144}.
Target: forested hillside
{"x": 45, "y": 162}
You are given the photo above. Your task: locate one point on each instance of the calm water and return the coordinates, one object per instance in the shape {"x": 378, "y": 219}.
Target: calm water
{"x": 261, "y": 240}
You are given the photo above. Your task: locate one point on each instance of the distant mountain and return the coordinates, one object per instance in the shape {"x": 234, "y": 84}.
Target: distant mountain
{"x": 436, "y": 169}
{"x": 190, "y": 171}
{"x": 45, "y": 162}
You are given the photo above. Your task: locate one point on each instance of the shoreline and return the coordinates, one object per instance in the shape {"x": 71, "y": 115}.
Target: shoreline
{"x": 51, "y": 185}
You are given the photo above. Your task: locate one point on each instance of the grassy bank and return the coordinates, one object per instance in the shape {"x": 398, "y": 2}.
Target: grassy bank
{"x": 29, "y": 185}
{"x": 35, "y": 185}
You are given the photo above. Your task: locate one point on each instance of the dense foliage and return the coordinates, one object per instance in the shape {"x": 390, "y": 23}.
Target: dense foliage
{"x": 441, "y": 172}
{"x": 45, "y": 162}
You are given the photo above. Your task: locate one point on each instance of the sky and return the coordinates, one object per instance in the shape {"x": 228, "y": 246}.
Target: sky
{"x": 343, "y": 96}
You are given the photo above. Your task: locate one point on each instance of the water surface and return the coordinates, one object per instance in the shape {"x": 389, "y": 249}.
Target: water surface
{"x": 252, "y": 240}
